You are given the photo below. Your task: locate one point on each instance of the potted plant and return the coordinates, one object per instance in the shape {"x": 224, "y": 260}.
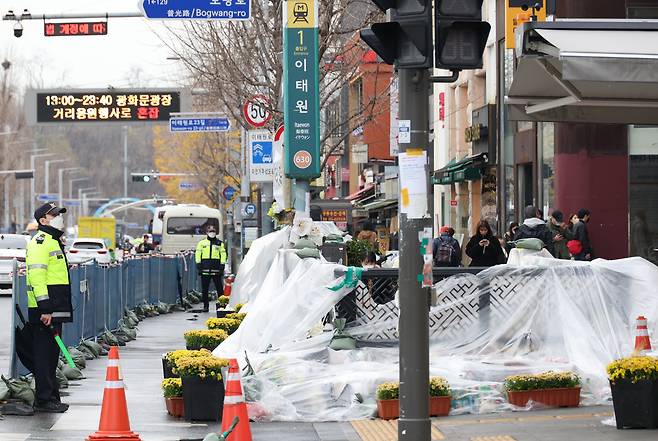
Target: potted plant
{"x": 236, "y": 315}
{"x": 227, "y": 324}
{"x": 169, "y": 359}
{"x": 221, "y": 304}
{"x": 559, "y": 389}
{"x": 203, "y": 388}
{"x": 172, "y": 389}
{"x": 388, "y": 400}
{"x": 634, "y": 386}
{"x": 440, "y": 396}
{"x": 204, "y": 339}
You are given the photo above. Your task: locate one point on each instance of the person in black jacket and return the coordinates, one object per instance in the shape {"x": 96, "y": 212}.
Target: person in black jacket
{"x": 581, "y": 234}
{"x": 534, "y": 227}
{"x": 483, "y": 248}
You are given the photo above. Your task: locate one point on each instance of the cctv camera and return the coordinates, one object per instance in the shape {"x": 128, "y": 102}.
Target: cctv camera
{"x": 18, "y": 30}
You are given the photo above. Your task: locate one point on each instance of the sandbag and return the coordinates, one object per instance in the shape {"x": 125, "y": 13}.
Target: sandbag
{"x": 110, "y": 339}
{"x": 21, "y": 389}
{"x": 162, "y": 308}
{"x": 4, "y": 392}
{"x": 78, "y": 357}
{"x": 62, "y": 381}
{"x": 530, "y": 243}
{"x": 131, "y": 314}
{"x": 86, "y": 352}
{"x": 93, "y": 347}
{"x": 72, "y": 373}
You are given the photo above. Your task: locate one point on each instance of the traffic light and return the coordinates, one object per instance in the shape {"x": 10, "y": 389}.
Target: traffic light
{"x": 405, "y": 40}
{"x": 461, "y": 35}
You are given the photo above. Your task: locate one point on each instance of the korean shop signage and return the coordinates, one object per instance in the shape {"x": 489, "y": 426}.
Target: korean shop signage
{"x": 482, "y": 132}
{"x": 78, "y": 106}
{"x": 302, "y": 95}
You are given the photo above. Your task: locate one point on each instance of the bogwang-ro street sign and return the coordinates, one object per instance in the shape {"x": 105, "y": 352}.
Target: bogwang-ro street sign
{"x": 196, "y": 9}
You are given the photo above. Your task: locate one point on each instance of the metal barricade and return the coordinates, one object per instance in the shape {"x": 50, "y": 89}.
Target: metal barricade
{"x": 100, "y": 293}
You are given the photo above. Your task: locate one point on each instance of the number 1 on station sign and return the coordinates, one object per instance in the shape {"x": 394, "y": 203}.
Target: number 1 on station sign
{"x": 302, "y": 94}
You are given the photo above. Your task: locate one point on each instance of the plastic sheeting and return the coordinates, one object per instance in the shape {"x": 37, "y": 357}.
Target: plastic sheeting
{"x": 543, "y": 315}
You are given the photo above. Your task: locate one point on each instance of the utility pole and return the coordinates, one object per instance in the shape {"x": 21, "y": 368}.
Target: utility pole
{"x": 407, "y": 41}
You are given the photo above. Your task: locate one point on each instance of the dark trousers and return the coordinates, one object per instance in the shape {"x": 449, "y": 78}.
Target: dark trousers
{"x": 205, "y": 285}
{"x": 46, "y": 355}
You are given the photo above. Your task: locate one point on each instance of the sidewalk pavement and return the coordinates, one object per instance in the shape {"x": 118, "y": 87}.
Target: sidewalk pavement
{"x": 142, "y": 371}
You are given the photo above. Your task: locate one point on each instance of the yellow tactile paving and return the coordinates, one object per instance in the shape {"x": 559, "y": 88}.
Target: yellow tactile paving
{"x": 523, "y": 419}
{"x": 383, "y": 430}
{"x": 493, "y": 438}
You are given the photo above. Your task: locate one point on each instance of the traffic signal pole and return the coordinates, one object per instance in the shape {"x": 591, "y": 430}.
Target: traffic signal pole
{"x": 414, "y": 423}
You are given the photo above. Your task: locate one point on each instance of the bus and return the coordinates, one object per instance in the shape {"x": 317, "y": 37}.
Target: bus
{"x": 183, "y": 226}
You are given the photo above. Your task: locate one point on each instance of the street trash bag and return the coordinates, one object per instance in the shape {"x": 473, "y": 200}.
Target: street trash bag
{"x": 72, "y": 373}
{"x": 62, "y": 381}
{"x": 21, "y": 389}
{"x": 341, "y": 340}
{"x": 78, "y": 357}
{"x": 93, "y": 347}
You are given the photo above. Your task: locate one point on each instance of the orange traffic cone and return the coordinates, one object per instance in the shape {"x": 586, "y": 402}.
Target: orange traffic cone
{"x": 642, "y": 342}
{"x": 114, "y": 424}
{"x": 234, "y": 405}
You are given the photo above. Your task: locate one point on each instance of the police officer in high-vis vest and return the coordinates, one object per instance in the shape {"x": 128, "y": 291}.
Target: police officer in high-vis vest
{"x": 210, "y": 260}
{"x": 48, "y": 301}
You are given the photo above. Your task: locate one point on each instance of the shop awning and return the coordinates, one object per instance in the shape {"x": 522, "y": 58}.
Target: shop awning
{"x": 361, "y": 193}
{"x": 467, "y": 169}
{"x": 586, "y": 71}
{"x": 379, "y": 204}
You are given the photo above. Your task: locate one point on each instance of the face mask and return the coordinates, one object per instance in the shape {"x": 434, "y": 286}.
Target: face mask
{"x": 212, "y": 235}
{"x": 57, "y": 223}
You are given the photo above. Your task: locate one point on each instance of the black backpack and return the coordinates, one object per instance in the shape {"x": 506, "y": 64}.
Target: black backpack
{"x": 443, "y": 253}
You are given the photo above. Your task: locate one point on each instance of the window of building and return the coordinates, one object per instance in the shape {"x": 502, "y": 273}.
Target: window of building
{"x": 546, "y": 154}
{"x": 506, "y": 149}
{"x": 643, "y": 192}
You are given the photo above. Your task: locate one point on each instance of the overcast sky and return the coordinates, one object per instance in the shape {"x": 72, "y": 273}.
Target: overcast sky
{"x": 131, "y": 54}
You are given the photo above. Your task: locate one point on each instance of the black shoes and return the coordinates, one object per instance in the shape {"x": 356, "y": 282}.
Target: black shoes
{"x": 51, "y": 407}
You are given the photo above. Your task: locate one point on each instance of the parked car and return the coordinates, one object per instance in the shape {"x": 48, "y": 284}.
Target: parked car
{"x": 87, "y": 249}
{"x": 12, "y": 246}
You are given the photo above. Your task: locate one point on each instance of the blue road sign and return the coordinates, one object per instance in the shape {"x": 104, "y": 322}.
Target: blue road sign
{"x": 178, "y": 124}
{"x": 261, "y": 152}
{"x": 228, "y": 192}
{"x": 47, "y": 197}
{"x": 250, "y": 209}
{"x": 188, "y": 186}
{"x": 71, "y": 203}
{"x": 197, "y": 9}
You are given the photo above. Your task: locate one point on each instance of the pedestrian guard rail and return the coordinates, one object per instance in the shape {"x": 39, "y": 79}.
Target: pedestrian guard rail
{"x": 101, "y": 292}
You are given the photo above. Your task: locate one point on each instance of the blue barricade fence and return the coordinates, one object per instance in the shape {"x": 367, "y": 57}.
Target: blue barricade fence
{"x": 100, "y": 293}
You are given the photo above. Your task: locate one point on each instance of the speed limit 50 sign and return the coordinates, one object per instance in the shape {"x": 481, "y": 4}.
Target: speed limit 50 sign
{"x": 256, "y": 110}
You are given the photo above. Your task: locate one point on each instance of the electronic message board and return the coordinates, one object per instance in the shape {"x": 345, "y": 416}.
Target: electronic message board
{"x": 75, "y": 28}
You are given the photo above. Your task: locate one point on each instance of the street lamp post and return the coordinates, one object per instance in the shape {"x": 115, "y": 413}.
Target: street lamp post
{"x": 85, "y": 200}
{"x": 19, "y": 174}
{"x": 47, "y": 174}
{"x": 60, "y": 181}
{"x": 80, "y": 192}
{"x": 32, "y": 184}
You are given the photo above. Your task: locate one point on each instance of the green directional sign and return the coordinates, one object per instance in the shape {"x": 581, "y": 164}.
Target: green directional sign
{"x": 302, "y": 94}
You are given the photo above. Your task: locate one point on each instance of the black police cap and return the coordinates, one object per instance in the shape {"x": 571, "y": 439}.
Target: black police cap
{"x": 48, "y": 208}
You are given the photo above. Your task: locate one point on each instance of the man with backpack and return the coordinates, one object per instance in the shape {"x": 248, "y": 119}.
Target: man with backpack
{"x": 446, "y": 249}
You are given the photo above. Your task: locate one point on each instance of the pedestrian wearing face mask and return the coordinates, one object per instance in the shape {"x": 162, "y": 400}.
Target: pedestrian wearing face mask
{"x": 48, "y": 301}
{"x": 210, "y": 259}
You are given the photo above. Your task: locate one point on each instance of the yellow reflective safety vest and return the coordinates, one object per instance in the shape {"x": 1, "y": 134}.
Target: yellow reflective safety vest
{"x": 210, "y": 256}
{"x": 48, "y": 286}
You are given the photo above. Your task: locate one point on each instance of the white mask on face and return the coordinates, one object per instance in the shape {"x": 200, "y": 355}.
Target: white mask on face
{"x": 212, "y": 235}
{"x": 58, "y": 223}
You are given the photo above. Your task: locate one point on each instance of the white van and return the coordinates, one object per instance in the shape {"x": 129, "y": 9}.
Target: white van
{"x": 183, "y": 226}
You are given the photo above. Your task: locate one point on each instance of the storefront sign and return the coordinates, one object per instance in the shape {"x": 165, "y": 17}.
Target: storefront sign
{"x": 482, "y": 133}
{"x": 339, "y": 216}
{"x": 102, "y": 106}
{"x": 302, "y": 94}
{"x": 359, "y": 154}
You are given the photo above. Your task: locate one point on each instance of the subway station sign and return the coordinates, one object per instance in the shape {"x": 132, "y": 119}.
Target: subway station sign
{"x": 102, "y": 106}
{"x": 302, "y": 94}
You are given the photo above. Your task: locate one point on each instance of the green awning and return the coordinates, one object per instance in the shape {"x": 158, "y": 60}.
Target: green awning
{"x": 467, "y": 169}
